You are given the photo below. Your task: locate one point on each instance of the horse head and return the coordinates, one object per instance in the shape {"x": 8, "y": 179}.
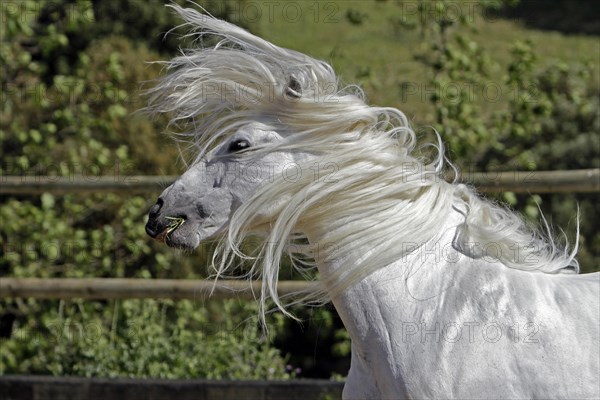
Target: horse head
{"x": 198, "y": 205}
{"x": 266, "y": 123}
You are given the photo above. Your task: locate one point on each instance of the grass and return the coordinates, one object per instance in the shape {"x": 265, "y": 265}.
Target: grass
{"x": 373, "y": 55}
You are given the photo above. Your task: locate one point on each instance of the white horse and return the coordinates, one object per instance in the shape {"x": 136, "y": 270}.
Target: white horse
{"x": 444, "y": 294}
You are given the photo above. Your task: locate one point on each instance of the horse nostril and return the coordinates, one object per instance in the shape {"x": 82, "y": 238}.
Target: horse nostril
{"x": 156, "y": 208}
{"x": 150, "y": 231}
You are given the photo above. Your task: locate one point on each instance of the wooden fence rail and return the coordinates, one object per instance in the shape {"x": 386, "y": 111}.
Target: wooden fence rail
{"x": 113, "y": 288}
{"x": 123, "y": 288}
{"x": 583, "y": 181}
{"x": 31, "y": 387}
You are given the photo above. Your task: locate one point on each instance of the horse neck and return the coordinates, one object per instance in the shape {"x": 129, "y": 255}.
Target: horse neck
{"x": 394, "y": 290}
{"x": 410, "y": 251}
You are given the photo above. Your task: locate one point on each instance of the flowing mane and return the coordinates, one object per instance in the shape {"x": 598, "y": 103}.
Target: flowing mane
{"x": 366, "y": 183}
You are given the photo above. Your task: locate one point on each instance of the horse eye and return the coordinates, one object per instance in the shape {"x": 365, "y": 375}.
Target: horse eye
{"x": 238, "y": 145}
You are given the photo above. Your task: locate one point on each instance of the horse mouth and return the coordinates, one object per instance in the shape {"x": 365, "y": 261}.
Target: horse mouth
{"x": 174, "y": 224}
{"x": 181, "y": 233}
{"x": 162, "y": 237}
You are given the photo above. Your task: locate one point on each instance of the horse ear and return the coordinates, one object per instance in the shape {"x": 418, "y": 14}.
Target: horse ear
{"x": 293, "y": 89}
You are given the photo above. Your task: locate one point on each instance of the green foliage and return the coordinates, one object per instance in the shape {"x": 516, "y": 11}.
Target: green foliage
{"x": 457, "y": 65}
{"x": 537, "y": 118}
{"x": 135, "y": 338}
{"x": 356, "y": 17}
{"x": 70, "y": 90}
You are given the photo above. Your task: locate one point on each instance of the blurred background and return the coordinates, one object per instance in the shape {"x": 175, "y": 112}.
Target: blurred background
{"x": 510, "y": 85}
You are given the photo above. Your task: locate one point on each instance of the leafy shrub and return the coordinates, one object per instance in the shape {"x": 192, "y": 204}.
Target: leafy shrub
{"x": 70, "y": 89}
{"x": 548, "y": 118}
{"x": 135, "y": 338}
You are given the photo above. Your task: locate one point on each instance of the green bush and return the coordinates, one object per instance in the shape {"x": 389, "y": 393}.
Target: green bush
{"x": 547, "y": 117}
{"x": 71, "y": 87}
{"x": 135, "y": 338}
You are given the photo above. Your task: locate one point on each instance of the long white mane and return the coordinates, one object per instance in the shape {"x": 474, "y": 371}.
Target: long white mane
{"x": 372, "y": 189}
